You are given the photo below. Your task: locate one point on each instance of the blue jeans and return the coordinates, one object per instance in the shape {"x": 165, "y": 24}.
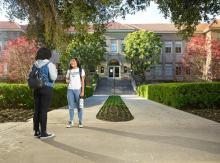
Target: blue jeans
{"x": 73, "y": 102}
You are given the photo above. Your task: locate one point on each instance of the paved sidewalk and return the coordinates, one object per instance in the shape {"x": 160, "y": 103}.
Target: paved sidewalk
{"x": 158, "y": 134}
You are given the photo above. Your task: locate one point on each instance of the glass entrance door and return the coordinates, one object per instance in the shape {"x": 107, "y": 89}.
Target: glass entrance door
{"x": 114, "y": 71}
{"x": 111, "y": 72}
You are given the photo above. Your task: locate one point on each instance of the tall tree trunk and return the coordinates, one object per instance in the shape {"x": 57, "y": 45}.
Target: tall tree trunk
{"x": 207, "y": 74}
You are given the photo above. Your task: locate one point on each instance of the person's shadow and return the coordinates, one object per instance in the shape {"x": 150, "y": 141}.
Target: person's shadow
{"x": 99, "y": 158}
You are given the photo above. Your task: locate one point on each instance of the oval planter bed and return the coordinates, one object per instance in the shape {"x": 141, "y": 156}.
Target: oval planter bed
{"x": 115, "y": 110}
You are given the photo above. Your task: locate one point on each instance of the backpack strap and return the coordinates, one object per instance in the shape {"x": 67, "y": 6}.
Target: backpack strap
{"x": 48, "y": 71}
{"x": 80, "y": 73}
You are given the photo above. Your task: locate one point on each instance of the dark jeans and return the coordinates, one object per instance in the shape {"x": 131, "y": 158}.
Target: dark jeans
{"x": 42, "y": 100}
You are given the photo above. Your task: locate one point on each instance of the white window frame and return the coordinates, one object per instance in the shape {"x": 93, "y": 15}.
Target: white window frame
{"x": 168, "y": 44}
{"x": 181, "y": 46}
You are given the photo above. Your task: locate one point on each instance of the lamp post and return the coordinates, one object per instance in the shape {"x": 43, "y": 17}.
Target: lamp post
{"x": 114, "y": 81}
{"x": 131, "y": 73}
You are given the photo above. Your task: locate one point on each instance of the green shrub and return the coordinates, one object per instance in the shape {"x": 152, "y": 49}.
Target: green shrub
{"x": 15, "y": 95}
{"x": 142, "y": 90}
{"x": 183, "y": 95}
{"x": 94, "y": 81}
{"x": 20, "y": 96}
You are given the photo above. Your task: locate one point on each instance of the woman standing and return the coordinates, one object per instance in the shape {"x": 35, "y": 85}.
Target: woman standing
{"x": 43, "y": 96}
{"x": 75, "y": 78}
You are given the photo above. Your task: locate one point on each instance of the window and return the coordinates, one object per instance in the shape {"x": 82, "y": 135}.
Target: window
{"x": 125, "y": 69}
{"x": 178, "y": 70}
{"x": 169, "y": 70}
{"x": 158, "y": 70}
{"x": 178, "y": 47}
{"x": 114, "y": 46}
{"x": 4, "y": 35}
{"x": 11, "y": 35}
{"x": 18, "y": 34}
{"x": 168, "y": 47}
{"x": 102, "y": 69}
{"x": 122, "y": 46}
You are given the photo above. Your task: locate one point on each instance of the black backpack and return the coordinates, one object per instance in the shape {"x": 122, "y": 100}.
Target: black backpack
{"x": 36, "y": 78}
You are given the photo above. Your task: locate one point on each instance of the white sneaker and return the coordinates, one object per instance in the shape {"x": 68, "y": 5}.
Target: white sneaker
{"x": 70, "y": 124}
{"x": 80, "y": 125}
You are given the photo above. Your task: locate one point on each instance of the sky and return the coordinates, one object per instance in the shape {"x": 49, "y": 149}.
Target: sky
{"x": 150, "y": 15}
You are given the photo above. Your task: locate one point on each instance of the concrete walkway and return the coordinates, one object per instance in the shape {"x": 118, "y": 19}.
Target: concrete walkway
{"x": 158, "y": 134}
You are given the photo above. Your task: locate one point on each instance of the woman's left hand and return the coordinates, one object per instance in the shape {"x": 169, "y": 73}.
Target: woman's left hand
{"x": 82, "y": 94}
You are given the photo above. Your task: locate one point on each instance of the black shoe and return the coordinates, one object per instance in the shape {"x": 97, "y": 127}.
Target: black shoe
{"x": 46, "y": 136}
{"x": 37, "y": 134}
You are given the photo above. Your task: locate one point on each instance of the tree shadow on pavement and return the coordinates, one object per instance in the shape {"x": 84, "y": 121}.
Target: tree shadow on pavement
{"x": 186, "y": 142}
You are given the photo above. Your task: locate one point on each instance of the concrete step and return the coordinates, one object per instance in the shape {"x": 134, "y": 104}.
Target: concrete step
{"x": 107, "y": 86}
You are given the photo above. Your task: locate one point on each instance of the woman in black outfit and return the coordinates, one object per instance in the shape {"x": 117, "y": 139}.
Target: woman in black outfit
{"x": 43, "y": 96}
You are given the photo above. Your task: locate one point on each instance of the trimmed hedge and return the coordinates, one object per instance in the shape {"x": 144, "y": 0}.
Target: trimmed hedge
{"x": 20, "y": 96}
{"x": 142, "y": 90}
{"x": 183, "y": 95}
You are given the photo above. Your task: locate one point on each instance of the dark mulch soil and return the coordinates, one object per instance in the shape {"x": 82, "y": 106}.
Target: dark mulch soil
{"x": 110, "y": 114}
{"x": 115, "y": 110}
{"x": 212, "y": 114}
{"x": 15, "y": 115}
{"x": 114, "y": 114}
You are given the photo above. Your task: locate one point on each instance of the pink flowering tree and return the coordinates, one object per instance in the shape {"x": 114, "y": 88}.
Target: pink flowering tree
{"x": 20, "y": 54}
{"x": 202, "y": 59}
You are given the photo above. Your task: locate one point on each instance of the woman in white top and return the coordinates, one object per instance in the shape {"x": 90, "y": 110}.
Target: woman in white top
{"x": 75, "y": 78}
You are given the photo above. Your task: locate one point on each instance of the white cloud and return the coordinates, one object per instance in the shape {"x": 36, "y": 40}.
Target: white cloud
{"x": 150, "y": 15}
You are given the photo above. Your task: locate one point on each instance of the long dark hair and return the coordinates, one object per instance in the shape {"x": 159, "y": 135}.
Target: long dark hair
{"x": 77, "y": 62}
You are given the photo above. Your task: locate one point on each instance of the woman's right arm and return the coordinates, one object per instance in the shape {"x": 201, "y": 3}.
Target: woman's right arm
{"x": 52, "y": 71}
{"x": 68, "y": 76}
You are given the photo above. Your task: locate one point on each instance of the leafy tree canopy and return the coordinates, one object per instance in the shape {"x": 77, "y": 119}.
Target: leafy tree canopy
{"x": 142, "y": 49}
{"x": 196, "y": 57}
{"x": 89, "y": 48}
{"x": 49, "y": 18}
{"x": 20, "y": 55}
{"x": 185, "y": 14}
